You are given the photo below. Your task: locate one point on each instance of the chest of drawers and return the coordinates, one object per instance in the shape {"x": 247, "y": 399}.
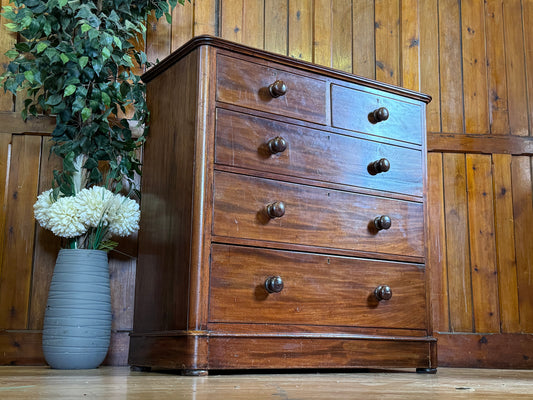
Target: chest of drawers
{"x": 283, "y": 217}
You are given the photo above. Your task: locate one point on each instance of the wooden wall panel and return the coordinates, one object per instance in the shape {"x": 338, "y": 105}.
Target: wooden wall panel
{"x": 522, "y": 179}
{"x": 231, "y": 19}
{"x": 322, "y": 33}
{"x": 474, "y": 67}
{"x": 527, "y": 23}
{"x": 496, "y": 68}
{"x": 300, "y": 29}
{"x": 276, "y": 22}
{"x": 436, "y": 243}
{"x": 451, "y": 88}
{"x": 253, "y": 23}
{"x": 473, "y": 57}
{"x": 410, "y": 44}
{"x": 387, "y": 34}
{"x": 505, "y": 243}
{"x": 158, "y": 39}
{"x": 205, "y": 17}
{"x": 430, "y": 61}
{"x": 485, "y": 299}
{"x": 341, "y": 37}
{"x": 5, "y": 153}
{"x": 457, "y": 243}
{"x": 17, "y": 247}
{"x": 46, "y": 246}
{"x": 363, "y": 39}
{"x": 515, "y": 63}
{"x": 182, "y": 25}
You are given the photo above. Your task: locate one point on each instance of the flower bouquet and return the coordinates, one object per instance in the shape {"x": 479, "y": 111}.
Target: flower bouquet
{"x": 90, "y": 217}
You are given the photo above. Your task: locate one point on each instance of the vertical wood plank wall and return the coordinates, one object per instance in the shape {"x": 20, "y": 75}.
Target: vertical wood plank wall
{"x": 475, "y": 58}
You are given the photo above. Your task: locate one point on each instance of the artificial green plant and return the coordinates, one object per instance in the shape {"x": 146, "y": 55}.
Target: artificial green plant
{"x": 79, "y": 61}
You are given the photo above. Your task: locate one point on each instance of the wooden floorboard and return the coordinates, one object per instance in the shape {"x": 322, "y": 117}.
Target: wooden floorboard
{"x": 121, "y": 383}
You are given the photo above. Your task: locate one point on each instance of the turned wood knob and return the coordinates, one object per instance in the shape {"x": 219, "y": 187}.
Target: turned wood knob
{"x": 274, "y": 284}
{"x": 379, "y": 166}
{"x": 277, "y": 145}
{"x": 383, "y": 292}
{"x": 276, "y": 210}
{"x": 382, "y": 222}
{"x": 381, "y": 114}
{"x": 277, "y": 89}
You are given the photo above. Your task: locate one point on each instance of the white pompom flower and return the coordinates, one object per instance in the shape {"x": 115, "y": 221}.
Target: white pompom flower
{"x": 64, "y": 218}
{"x": 41, "y": 208}
{"x": 124, "y": 216}
{"x": 93, "y": 205}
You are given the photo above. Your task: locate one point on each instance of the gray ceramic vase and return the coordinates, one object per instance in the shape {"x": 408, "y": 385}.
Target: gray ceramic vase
{"x": 77, "y": 320}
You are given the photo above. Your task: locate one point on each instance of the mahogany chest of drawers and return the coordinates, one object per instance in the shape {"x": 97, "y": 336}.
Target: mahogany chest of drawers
{"x": 283, "y": 217}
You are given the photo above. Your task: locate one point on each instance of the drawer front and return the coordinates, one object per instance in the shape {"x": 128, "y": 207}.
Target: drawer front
{"x": 242, "y": 141}
{"x": 314, "y": 216}
{"x": 353, "y": 109}
{"x": 320, "y": 290}
{"x": 246, "y": 84}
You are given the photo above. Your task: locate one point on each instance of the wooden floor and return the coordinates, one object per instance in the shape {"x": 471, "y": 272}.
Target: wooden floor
{"x": 121, "y": 383}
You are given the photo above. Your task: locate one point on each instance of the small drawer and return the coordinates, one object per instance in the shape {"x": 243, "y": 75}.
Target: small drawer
{"x": 252, "y": 142}
{"x": 247, "y": 84}
{"x": 313, "y": 289}
{"x": 361, "y": 111}
{"x": 313, "y": 216}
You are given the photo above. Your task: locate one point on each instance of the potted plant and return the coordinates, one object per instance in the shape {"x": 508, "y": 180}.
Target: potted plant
{"x": 78, "y": 61}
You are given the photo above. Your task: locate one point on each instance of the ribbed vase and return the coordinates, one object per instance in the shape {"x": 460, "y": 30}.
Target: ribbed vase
{"x": 77, "y": 319}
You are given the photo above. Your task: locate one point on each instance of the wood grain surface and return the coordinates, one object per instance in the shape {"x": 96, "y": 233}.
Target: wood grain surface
{"x": 241, "y": 141}
{"x": 314, "y": 216}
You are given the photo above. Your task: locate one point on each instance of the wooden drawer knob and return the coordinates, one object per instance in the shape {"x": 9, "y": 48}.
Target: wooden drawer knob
{"x": 379, "y": 166}
{"x": 277, "y": 145}
{"x": 382, "y": 222}
{"x": 380, "y": 114}
{"x": 274, "y": 284}
{"x": 276, "y": 210}
{"x": 277, "y": 89}
{"x": 383, "y": 292}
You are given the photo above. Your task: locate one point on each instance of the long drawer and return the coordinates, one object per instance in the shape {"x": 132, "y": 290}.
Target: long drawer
{"x": 321, "y": 290}
{"x": 314, "y": 216}
{"x": 354, "y": 109}
{"x": 243, "y": 140}
{"x": 247, "y": 84}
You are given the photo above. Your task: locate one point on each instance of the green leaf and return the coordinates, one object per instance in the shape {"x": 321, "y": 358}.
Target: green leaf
{"x": 117, "y": 42}
{"x": 54, "y": 100}
{"x": 90, "y": 163}
{"x": 64, "y": 58}
{"x": 11, "y": 54}
{"x": 41, "y": 46}
{"x": 86, "y": 113}
{"x": 106, "y": 99}
{"x": 22, "y": 47}
{"x": 62, "y": 3}
{"x": 83, "y": 61}
{"x": 12, "y": 27}
{"x": 106, "y": 53}
{"x": 127, "y": 60}
{"x": 85, "y": 28}
{"x": 70, "y": 89}
{"x": 29, "y": 76}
